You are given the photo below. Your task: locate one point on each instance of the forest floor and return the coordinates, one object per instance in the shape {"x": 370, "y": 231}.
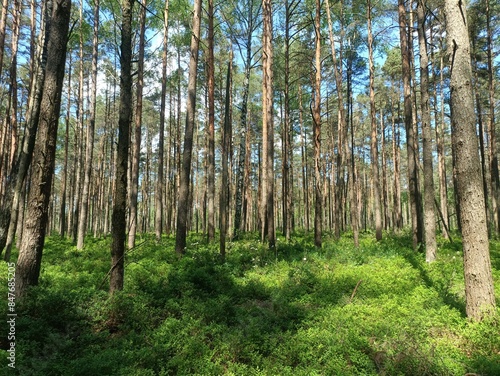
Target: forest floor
{"x": 376, "y": 310}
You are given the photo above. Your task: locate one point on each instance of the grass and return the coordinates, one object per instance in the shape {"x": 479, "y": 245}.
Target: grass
{"x": 376, "y": 310}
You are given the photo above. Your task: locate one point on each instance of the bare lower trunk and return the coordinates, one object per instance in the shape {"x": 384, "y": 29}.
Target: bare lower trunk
{"x": 118, "y": 220}
{"x": 479, "y": 292}
{"x": 185, "y": 173}
{"x": 318, "y": 209}
{"x": 429, "y": 214}
{"x": 89, "y": 149}
{"x": 30, "y": 253}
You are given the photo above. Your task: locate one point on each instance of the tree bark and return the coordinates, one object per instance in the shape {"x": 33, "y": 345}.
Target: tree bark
{"x": 410, "y": 134}
{"x": 89, "y": 148}
{"x": 267, "y": 207}
{"x": 30, "y": 253}
{"x": 160, "y": 184}
{"x": 118, "y": 220}
{"x": 318, "y": 206}
{"x": 25, "y": 156}
{"x": 226, "y": 148}
{"x": 374, "y": 141}
{"x": 185, "y": 173}
{"x": 479, "y": 291}
{"x": 136, "y": 150}
{"x": 495, "y": 177}
{"x": 429, "y": 214}
{"x": 211, "y": 125}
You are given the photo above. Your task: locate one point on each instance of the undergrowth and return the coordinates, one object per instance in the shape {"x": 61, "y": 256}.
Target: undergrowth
{"x": 379, "y": 309}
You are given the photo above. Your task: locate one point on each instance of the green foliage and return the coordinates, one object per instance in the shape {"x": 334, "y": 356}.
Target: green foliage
{"x": 376, "y": 309}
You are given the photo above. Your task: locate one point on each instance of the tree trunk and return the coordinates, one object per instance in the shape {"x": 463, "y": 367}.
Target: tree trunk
{"x": 64, "y": 180}
{"x": 303, "y": 154}
{"x": 211, "y": 124}
{"x": 89, "y": 150}
{"x": 118, "y": 220}
{"x": 3, "y": 27}
{"x": 318, "y": 207}
{"x": 185, "y": 173}
{"x": 429, "y": 214}
{"x": 479, "y": 292}
{"x": 160, "y": 184}
{"x": 267, "y": 203}
{"x": 136, "y": 151}
{"x": 374, "y": 141}
{"x": 495, "y": 177}
{"x": 30, "y": 253}
{"x": 24, "y": 159}
{"x": 287, "y": 188}
{"x": 226, "y": 148}
{"x": 443, "y": 185}
{"x": 11, "y": 127}
{"x": 410, "y": 134}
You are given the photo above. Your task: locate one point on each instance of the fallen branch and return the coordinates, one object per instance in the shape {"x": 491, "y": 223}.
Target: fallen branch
{"x": 355, "y": 289}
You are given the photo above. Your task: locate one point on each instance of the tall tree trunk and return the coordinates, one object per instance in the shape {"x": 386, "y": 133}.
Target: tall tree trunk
{"x": 64, "y": 179}
{"x": 374, "y": 141}
{"x": 410, "y": 134}
{"x": 211, "y": 125}
{"x": 80, "y": 113}
{"x": 443, "y": 186}
{"x": 160, "y": 184}
{"x": 495, "y": 177}
{"x": 305, "y": 179}
{"x": 118, "y": 220}
{"x": 429, "y": 214}
{"x": 226, "y": 148}
{"x": 479, "y": 291}
{"x": 89, "y": 149}
{"x": 136, "y": 151}
{"x": 11, "y": 128}
{"x": 385, "y": 188}
{"x": 337, "y": 67}
{"x": 11, "y": 208}
{"x": 397, "y": 215}
{"x": 3, "y": 27}
{"x": 318, "y": 206}
{"x": 287, "y": 139}
{"x": 241, "y": 201}
{"x": 30, "y": 253}
{"x": 267, "y": 203}
{"x": 185, "y": 173}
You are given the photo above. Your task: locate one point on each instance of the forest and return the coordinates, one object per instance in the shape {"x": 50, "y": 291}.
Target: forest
{"x": 249, "y": 188}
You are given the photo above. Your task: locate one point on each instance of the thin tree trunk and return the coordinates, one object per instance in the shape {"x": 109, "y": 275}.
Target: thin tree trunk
{"x": 64, "y": 180}
{"x": 118, "y": 220}
{"x": 429, "y": 214}
{"x": 89, "y": 150}
{"x": 160, "y": 183}
{"x": 495, "y": 177}
{"x": 24, "y": 160}
{"x": 318, "y": 211}
{"x": 226, "y": 147}
{"x": 267, "y": 203}
{"x": 374, "y": 140}
{"x": 479, "y": 291}
{"x": 136, "y": 151}
{"x": 408, "y": 116}
{"x": 3, "y": 27}
{"x": 305, "y": 180}
{"x": 11, "y": 126}
{"x": 443, "y": 186}
{"x": 211, "y": 124}
{"x": 30, "y": 253}
{"x": 183, "y": 203}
